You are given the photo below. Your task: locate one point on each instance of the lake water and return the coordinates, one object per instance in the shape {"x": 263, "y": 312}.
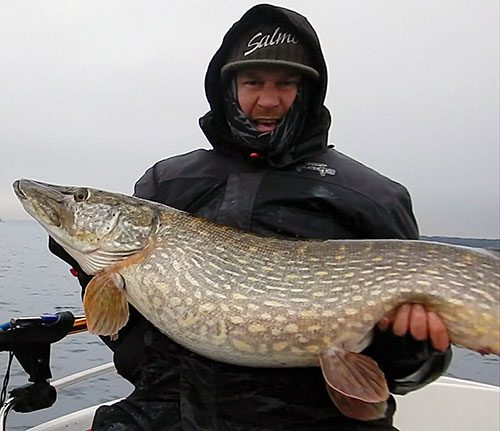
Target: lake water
{"x": 33, "y": 281}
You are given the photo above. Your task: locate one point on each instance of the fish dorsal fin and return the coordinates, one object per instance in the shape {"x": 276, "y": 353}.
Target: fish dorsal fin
{"x": 105, "y": 304}
{"x": 355, "y": 383}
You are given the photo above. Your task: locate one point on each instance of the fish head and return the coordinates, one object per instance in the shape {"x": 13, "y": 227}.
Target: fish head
{"x": 97, "y": 228}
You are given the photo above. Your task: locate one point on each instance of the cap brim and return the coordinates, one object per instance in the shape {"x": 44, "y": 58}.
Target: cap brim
{"x": 235, "y": 65}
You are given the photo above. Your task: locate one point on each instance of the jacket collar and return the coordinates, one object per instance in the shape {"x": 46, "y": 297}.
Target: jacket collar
{"x": 313, "y": 140}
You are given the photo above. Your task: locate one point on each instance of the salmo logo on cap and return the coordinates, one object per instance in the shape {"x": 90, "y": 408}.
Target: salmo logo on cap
{"x": 260, "y": 40}
{"x": 270, "y": 45}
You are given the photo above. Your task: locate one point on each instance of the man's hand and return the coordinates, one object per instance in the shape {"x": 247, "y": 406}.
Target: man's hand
{"x": 421, "y": 324}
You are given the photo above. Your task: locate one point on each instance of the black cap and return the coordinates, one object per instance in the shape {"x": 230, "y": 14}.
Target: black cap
{"x": 270, "y": 45}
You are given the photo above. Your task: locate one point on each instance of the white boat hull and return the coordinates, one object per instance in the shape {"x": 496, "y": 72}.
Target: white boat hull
{"x": 450, "y": 404}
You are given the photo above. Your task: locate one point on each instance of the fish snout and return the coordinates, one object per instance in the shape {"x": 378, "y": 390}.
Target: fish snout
{"x": 16, "y": 185}
{"x": 40, "y": 200}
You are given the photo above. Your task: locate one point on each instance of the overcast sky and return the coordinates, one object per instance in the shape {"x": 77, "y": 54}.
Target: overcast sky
{"x": 94, "y": 92}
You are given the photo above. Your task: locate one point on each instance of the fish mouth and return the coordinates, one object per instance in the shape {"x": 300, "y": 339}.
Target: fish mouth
{"x": 18, "y": 191}
{"x": 41, "y": 201}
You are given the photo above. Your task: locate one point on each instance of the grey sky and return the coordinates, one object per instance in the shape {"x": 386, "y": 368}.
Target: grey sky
{"x": 92, "y": 93}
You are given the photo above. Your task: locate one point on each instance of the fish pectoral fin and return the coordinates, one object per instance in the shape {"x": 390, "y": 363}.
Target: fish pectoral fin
{"x": 355, "y": 384}
{"x": 105, "y": 304}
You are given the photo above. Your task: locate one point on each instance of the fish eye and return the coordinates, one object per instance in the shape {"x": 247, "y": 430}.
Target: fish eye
{"x": 81, "y": 195}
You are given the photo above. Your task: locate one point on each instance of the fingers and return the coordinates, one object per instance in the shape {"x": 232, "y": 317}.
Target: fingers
{"x": 384, "y": 323}
{"x": 438, "y": 332}
{"x": 419, "y": 322}
{"x": 401, "y": 322}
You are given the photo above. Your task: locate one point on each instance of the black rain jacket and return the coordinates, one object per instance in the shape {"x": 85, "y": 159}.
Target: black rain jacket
{"x": 307, "y": 191}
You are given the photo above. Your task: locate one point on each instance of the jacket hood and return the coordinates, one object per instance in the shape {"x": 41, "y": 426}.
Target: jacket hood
{"x": 314, "y": 137}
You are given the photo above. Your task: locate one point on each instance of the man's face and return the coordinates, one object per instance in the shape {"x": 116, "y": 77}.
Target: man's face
{"x": 266, "y": 94}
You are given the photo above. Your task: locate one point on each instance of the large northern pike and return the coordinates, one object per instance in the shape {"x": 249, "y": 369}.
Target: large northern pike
{"x": 258, "y": 301}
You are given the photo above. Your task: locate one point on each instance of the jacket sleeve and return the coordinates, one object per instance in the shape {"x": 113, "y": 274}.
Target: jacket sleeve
{"x": 408, "y": 364}
{"x": 56, "y": 249}
{"x": 146, "y": 187}
{"x": 396, "y": 219}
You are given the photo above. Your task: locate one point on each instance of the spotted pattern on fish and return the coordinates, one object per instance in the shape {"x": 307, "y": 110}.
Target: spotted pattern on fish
{"x": 240, "y": 298}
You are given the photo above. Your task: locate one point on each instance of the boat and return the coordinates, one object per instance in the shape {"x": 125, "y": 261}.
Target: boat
{"x": 446, "y": 404}
{"x": 438, "y": 406}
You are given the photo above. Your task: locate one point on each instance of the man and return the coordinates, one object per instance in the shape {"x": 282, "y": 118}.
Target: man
{"x": 270, "y": 172}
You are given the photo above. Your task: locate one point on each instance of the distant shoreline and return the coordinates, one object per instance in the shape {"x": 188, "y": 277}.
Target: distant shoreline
{"x": 493, "y": 244}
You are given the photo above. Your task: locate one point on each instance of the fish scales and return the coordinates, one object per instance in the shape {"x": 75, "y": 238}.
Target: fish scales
{"x": 260, "y": 301}
{"x": 274, "y": 316}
